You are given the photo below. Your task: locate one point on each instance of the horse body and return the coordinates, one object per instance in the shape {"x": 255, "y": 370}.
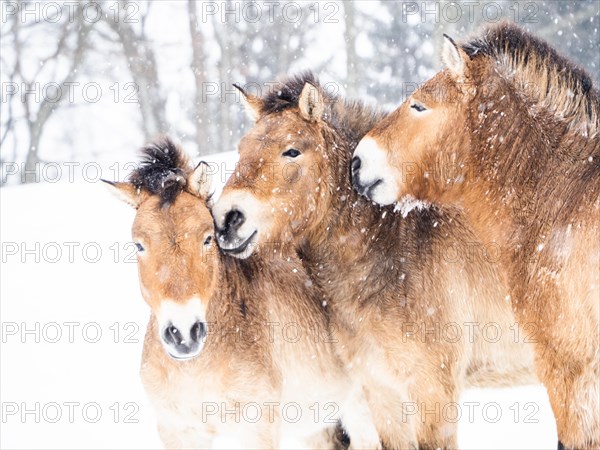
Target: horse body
{"x": 550, "y": 244}
{"x": 200, "y": 405}
{"x": 257, "y": 383}
{"x": 395, "y": 284}
{"x": 403, "y": 308}
{"x": 262, "y": 371}
{"x": 517, "y": 127}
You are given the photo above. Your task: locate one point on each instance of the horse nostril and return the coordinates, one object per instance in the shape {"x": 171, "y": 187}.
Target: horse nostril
{"x": 356, "y": 163}
{"x": 198, "y": 331}
{"x": 234, "y": 219}
{"x": 172, "y": 335}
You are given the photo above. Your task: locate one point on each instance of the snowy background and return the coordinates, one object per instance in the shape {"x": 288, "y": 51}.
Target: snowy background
{"x": 84, "y": 85}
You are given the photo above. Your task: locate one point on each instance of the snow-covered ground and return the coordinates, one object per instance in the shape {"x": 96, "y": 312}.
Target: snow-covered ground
{"x": 73, "y": 324}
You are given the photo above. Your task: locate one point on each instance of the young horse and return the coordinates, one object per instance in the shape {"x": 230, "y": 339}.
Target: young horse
{"x": 404, "y": 294}
{"x": 510, "y": 133}
{"x": 237, "y": 353}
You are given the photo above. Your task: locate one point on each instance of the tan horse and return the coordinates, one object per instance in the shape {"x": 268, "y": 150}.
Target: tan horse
{"x": 403, "y": 292}
{"x": 509, "y": 133}
{"x": 237, "y": 353}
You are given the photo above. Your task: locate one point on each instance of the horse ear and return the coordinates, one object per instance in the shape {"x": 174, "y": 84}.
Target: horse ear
{"x": 251, "y": 103}
{"x": 200, "y": 180}
{"x": 454, "y": 57}
{"x": 125, "y": 192}
{"x": 311, "y": 102}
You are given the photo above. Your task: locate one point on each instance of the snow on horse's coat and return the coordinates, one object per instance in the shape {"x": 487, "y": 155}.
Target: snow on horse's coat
{"x": 514, "y": 127}
{"x": 402, "y": 291}
{"x": 220, "y": 364}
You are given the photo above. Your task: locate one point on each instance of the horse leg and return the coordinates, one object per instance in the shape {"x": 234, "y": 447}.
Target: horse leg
{"x": 393, "y": 416}
{"x": 438, "y": 431}
{"x": 358, "y": 421}
{"x": 573, "y": 388}
{"x": 566, "y": 358}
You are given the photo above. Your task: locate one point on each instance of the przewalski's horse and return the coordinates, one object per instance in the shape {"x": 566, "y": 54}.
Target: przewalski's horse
{"x": 237, "y": 353}
{"x": 508, "y": 132}
{"x": 402, "y": 291}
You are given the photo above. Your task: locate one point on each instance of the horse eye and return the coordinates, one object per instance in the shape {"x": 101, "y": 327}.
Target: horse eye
{"x": 418, "y": 107}
{"x": 140, "y": 247}
{"x": 208, "y": 240}
{"x": 292, "y": 153}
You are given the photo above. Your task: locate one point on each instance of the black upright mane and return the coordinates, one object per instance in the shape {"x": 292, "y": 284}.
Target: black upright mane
{"x": 352, "y": 117}
{"x": 163, "y": 170}
{"x": 286, "y": 93}
{"x": 548, "y": 76}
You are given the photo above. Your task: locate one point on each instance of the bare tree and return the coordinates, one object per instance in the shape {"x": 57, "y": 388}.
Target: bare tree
{"x": 352, "y": 65}
{"x": 225, "y": 34}
{"x": 201, "y": 111}
{"x": 141, "y": 60}
{"x": 39, "y": 107}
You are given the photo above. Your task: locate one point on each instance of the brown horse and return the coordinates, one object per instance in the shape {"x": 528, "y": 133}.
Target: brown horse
{"x": 403, "y": 292}
{"x": 509, "y": 133}
{"x": 237, "y": 353}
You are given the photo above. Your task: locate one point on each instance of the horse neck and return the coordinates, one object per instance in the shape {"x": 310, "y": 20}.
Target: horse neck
{"x": 232, "y": 281}
{"x": 507, "y": 139}
{"x": 255, "y": 279}
{"x": 351, "y": 233}
{"x": 344, "y": 209}
{"x": 342, "y": 242}
{"x": 519, "y": 153}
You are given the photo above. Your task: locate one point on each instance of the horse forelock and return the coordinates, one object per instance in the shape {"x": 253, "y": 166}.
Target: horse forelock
{"x": 536, "y": 69}
{"x": 163, "y": 171}
{"x": 286, "y": 94}
{"x": 351, "y": 116}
